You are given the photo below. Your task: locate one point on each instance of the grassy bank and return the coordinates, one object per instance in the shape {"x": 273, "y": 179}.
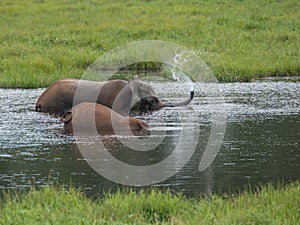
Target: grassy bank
{"x": 42, "y": 41}
{"x": 58, "y": 206}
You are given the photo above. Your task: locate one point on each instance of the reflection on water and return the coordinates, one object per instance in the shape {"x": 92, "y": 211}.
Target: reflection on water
{"x": 261, "y": 142}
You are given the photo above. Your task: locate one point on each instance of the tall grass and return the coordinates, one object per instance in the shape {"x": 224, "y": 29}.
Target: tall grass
{"x": 42, "y": 41}
{"x": 269, "y": 205}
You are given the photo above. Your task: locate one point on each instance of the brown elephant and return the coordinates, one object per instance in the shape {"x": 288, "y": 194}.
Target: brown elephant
{"x": 87, "y": 117}
{"x": 119, "y": 95}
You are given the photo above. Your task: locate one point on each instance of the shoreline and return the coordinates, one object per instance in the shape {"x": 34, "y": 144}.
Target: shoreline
{"x": 240, "y": 41}
{"x": 57, "y": 205}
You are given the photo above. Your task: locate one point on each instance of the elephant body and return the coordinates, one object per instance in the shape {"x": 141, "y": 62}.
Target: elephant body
{"x": 86, "y": 117}
{"x": 119, "y": 95}
{"x": 59, "y": 97}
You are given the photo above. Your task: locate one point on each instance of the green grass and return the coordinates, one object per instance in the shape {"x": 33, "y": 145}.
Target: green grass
{"x": 268, "y": 205}
{"x": 42, "y": 41}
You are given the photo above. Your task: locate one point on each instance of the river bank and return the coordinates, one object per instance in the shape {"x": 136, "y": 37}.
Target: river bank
{"x": 50, "y": 205}
{"x": 44, "y": 41}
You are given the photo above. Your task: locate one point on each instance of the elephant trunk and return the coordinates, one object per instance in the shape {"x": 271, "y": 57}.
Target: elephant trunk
{"x": 180, "y": 103}
{"x": 38, "y": 107}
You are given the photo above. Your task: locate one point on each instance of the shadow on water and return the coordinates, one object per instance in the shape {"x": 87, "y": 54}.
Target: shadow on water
{"x": 261, "y": 142}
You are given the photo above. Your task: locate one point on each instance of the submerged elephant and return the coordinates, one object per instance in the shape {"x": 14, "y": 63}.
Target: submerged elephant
{"x": 119, "y": 95}
{"x": 87, "y": 117}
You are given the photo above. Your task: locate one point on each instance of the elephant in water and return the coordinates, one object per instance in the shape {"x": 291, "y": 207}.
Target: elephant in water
{"x": 87, "y": 117}
{"x": 119, "y": 95}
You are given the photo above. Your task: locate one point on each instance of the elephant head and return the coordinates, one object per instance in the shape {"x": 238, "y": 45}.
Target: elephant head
{"x": 144, "y": 98}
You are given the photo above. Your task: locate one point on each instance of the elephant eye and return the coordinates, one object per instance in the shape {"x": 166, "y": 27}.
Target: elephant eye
{"x": 155, "y": 100}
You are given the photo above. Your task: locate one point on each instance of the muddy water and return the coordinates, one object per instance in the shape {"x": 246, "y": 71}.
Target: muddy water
{"x": 261, "y": 141}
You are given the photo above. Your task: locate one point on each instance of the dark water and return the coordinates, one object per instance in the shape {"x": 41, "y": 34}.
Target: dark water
{"x": 261, "y": 142}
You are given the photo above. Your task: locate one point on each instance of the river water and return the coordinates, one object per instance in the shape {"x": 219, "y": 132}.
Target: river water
{"x": 258, "y": 142}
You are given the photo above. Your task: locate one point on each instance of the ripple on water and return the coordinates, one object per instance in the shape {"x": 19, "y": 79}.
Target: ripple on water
{"x": 262, "y": 130}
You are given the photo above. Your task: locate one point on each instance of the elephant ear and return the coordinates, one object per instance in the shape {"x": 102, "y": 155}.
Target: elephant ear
{"x": 135, "y": 85}
{"x": 66, "y": 116}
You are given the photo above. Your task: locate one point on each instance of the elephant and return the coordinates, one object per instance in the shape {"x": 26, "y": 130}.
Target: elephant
{"x": 82, "y": 118}
{"x": 119, "y": 95}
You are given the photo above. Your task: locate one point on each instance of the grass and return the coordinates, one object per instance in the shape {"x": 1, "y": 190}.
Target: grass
{"x": 268, "y": 205}
{"x": 42, "y": 41}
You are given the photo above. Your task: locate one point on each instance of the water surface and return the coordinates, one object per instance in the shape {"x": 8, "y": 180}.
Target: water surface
{"x": 261, "y": 142}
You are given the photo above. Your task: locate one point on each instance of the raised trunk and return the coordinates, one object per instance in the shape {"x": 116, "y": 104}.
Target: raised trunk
{"x": 180, "y": 103}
